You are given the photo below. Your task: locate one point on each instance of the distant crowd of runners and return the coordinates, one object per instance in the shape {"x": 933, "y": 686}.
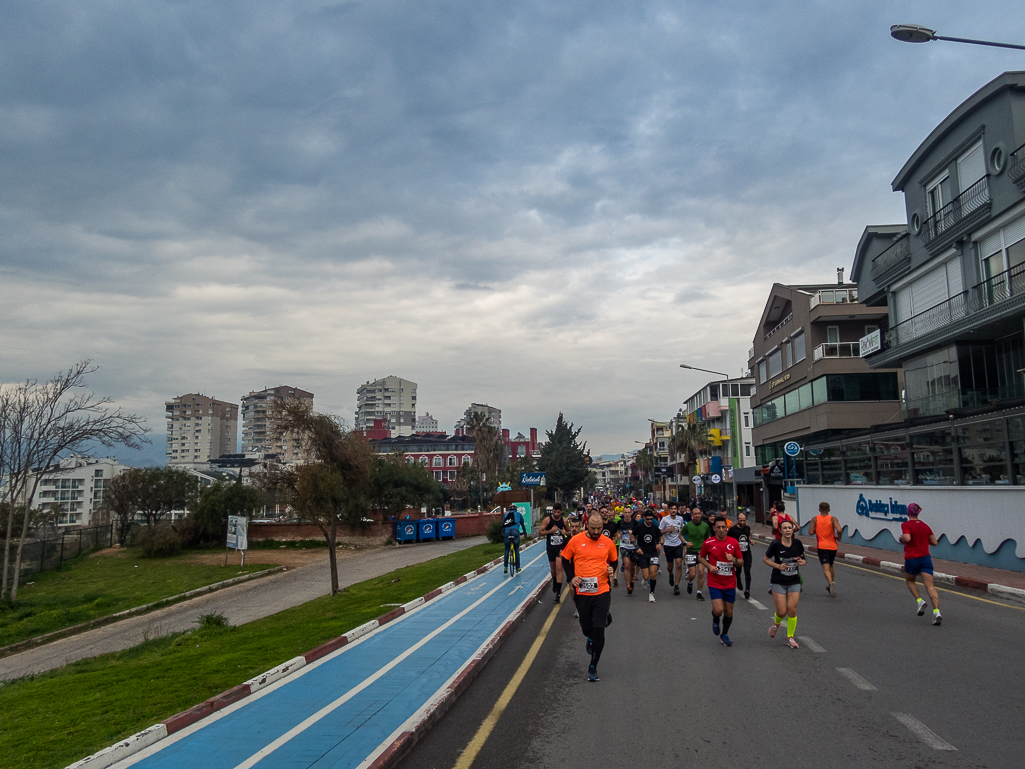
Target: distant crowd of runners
{"x": 591, "y": 547}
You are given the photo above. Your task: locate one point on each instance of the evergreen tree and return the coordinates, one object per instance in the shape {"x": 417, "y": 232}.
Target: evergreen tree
{"x": 563, "y": 458}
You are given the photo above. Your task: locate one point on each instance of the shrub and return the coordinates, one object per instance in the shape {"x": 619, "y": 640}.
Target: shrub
{"x": 159, "y": 542}
{"x": 212, "y": 620}
{"x": 494, "y": 532}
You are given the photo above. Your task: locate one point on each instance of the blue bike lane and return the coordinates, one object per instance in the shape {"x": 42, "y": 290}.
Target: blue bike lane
{"x": 348, "y": 708}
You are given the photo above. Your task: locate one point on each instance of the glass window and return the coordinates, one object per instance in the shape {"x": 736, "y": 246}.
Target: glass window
{"x": 804, "y": 396}
{"x": 775, "y": 363}
{"x": 983, "y": 453}
{"x": 892, "y": 462}
{"x": 713, "y": 392}
{"x": 762, "y": 371}
{"x": 818, "y": 390}
{"x": 832, "y": 334}
{"x": 786, "y": 355}
{"x": 747, "y": 419}
{"x": 931, "y": 382}
{"x": 933, "y": 453}
{"x": 859, "y": 463}
{"x": 745, "y": 390}
{"x": 791, "y": 402}
{"x": 799, "y": 351}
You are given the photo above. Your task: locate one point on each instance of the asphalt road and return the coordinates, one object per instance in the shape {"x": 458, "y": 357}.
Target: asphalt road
{"x": 875, "y": 685}
{"x": 239, "y": 604}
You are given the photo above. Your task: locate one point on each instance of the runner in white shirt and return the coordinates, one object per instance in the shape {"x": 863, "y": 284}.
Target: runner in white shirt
{"x": 673, "y": 544}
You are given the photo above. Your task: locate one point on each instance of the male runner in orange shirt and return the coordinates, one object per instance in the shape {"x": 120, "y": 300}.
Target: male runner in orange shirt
{"x": 588, "y": 560}
{"x": 827, "y": 531}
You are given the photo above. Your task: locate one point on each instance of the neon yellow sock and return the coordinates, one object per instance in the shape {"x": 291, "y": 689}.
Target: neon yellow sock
{"x": 776, "y": 618}
{"x": 791, "y": 626}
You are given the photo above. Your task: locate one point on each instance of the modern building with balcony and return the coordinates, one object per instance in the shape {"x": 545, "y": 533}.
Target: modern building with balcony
{"x": 392, "y": 399}
{"x": 951, "y": 283}
{"x": 258, "y": 428}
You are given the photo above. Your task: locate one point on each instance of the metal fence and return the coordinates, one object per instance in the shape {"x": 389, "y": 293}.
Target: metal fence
{"x": 46, "y": 554}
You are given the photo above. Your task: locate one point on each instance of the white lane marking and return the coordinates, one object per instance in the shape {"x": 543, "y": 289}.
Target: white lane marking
{"x": 923, "y": 732}
{"x": 855, "y": 679}
{"x": 519, "y": 587}
{"x": 811, "y": 644}
{"x": 757, "y": 605}
{"x": 331, "y": 707}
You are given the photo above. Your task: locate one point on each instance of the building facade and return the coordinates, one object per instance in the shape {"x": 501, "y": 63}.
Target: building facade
{"x": 258, "y": 423}
{"x": 493, "y": 414}
{"x": 441, "y": 454}
{"x": 199, "y": 428}
{"x": 77, "y": 485}
{"x": 426, "y": 424}
{"x": 392, "y": 399}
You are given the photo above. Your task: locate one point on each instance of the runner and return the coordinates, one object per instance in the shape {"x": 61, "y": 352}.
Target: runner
{"x": 779, "y": 515}
{"x": 628, "y": 551}
{"x": 554, "y": 529}
{"x": 742, "y": 533}
{"x": 512, "y": 525}
{"x": 649, "y": 541}
{"x": 696, "y": 532}
{"x": 719, "y": 555}
{"x": 784, "y": 557}
{"x": 610, "y": 529}
{"x": 827, "y": 531}
{"x": 671, "y": 526}
{"x": 587, "y": 560}
{"x": 917, "y": 537}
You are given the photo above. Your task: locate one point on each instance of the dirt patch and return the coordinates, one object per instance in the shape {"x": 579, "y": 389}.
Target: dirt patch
{"x": 279, "y": 557}
{"x": 117, "y": 552}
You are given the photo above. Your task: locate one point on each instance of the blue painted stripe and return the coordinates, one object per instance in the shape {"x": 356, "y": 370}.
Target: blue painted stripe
{"x": 349, "y": 731}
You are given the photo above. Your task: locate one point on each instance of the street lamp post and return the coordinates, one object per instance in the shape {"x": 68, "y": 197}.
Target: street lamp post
{"x": 707, "y": 371}
{"x": 915, "y": 33}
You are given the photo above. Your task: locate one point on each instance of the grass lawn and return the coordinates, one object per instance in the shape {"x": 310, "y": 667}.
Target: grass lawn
{"x": 56, "y": 718}
{"x": 95, "y": 586}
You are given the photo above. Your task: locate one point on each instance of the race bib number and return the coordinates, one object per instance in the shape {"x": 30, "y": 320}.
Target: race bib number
{"x": 789, "y": 568}
{"x": 588, "y": 585}
{"x": 556, "y": 539}
{"x": 724, "y": 568}
{"x": 743, "y": 546}
{"x": 691, "y": 559}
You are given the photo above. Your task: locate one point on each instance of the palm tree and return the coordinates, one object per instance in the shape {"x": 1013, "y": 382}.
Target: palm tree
{"x": 487, "y": 449}
{"x": 646, "y": 464}
{"x": 689, "y": 439}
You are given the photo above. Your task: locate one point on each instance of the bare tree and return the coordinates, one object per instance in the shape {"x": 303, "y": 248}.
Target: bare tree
{"x": 40, "y": 423}
{"x": 332, "y": 485}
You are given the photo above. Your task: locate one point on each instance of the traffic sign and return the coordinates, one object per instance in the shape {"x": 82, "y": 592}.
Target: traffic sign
{"x": 792, "y": 449}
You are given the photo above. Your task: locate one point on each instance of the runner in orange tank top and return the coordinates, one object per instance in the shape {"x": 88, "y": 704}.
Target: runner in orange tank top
{"x": 827, "y": 531}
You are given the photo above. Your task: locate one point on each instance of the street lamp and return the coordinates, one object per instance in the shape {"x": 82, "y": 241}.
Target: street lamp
{"x": 915, "y": 33}
{"x": 707, "y": 371}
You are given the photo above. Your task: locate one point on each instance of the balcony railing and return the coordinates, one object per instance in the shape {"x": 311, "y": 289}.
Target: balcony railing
{"x": 780, "y": 325}
{"x": 936, "y": 317}
{"x": 837, "y": 350}
{"x": 834, "y": 296}
{"x": 892, "y": 262}
{"x": 999, "y": 288}
{"x": 1016, "y": 167}
{"x": 957, "y": 217}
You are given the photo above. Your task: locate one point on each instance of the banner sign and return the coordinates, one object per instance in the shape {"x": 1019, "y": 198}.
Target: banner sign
{"x": 533, "y": 479}
{"x": 237, "y": 537}
{"x": 871, "y": 343}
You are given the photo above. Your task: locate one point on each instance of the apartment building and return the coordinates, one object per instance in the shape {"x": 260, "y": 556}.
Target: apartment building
{"x": 425, "y": 423}
{"x": 258, "y": 423}
{"x": 199, "y": 428}
{"x": 493, "y": 414}
{"x": 441, "y": 454}
{"x": 77, "y": 485}
{"x": 392, "y": 399}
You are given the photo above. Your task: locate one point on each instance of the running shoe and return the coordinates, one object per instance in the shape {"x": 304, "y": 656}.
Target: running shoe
{"x": 921, "y": 607}
{"x": 505, "y": 570}
{"x": 937, "y": 618}
{"x": 576, "y": 614}
{"x": 651, "y": 598}
{"x": 772, "y": 630}
{"x": 747, "y": 595}
{"x": 676, "y": 590}
{"x": 592, "y": 674}
{"x": 792, "y": 643}
{"x": 690, "y": 588}
{"x": 588, "y": 646}
{"x": 630, "y": 589}
{"x": 832, "y": 589}
{"x": 558, "y": 598}
{"x": 700, "y": 597}
{"x": 671, "y": 579}
{"x": 725, "y": 640}
{"x": 615, "y": 582}
{"x": 715, "y": 625}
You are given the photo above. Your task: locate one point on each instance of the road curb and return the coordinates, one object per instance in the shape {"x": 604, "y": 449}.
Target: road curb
{"x": 153, "y": 734}
{"x": 1001, "y": 591}
{"x": 56, "y": 635}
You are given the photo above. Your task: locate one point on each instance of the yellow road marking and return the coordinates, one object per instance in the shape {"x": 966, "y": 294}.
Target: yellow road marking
{"x": 473, "y": 747}
{"x": 944, "y": 589}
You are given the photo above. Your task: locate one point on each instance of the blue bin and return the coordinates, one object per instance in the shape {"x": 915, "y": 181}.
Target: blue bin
{"x": 427, "y": 529}
{"x": 446, "y": 528}
{"x": 405, "y": 531}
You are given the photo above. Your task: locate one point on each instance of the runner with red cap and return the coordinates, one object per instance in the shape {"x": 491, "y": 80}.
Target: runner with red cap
{"x": 916, "y": 536}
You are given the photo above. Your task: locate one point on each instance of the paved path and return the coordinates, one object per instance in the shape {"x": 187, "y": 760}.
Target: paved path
{"x": 240, "y": 604}
{"x": 872, "y": 685}
{"x": 347, "y": 708}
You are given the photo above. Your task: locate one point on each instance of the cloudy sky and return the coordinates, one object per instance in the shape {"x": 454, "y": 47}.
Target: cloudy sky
{"x": 543, "y": 206}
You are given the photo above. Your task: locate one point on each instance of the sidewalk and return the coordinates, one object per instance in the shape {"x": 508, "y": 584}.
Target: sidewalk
{"x": 359, "y": 701}
{"x": 240, "y": 604}
{"x": 966, "y": 574}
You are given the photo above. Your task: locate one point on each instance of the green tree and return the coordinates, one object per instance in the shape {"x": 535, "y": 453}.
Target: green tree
{"x": 152, "y": 492}
{"x": 645, "y": 460}
{"x": 686, "y": 443}
{"x": 218, "y": 501}
{"x": 487, "y": 453}
{"x": 396, "y": 484}
{"x": 332, "y": 486}
{"x": 564, "y": 459}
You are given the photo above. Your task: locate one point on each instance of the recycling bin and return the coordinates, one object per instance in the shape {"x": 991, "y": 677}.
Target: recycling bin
{"x": 446, "y": 528}
{"x": 405, "y": 531}
{"x": 427, "y": 529}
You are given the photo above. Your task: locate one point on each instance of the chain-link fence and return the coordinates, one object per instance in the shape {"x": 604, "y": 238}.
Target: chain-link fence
{"x": 46, "y": 554}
